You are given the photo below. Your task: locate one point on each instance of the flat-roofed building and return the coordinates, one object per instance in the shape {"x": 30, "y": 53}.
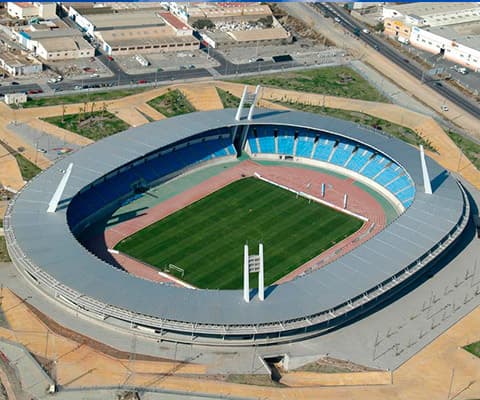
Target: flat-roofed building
{"x": 56, "y": 44}
{"x": 434, "y": 14}
{"x": 137, "y": 31}
{"x": 457, "y": 43}
{"x": 64, "y": 48}
{"x": 141, "y": 41}
{"x": 19, "y": 64}
{"x": 15, "y": 98}
{"x": 253, "y": 37}
{"x": 26, "y": 10}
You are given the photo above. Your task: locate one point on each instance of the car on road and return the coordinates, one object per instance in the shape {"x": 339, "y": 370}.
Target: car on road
{"x": 141, "y": 81}
{"x": 366, "y": 31}
{"x": 15, "y": 83}
{"x": 41, "y": 150}
{"x": 35, "y": 91}
{"x": 260, "y": 59}
{"x": 94, "y": 76}
{"x": 77, "y": 87}
{"x": 336, "y": 19}
{"x": 444, "y": 107}
{"x": 110, "y": 58}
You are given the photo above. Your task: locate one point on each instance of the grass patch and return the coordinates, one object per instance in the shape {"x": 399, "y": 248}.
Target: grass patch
{"x": 473, "y": 348}
{"x": 27, "y": 168}
{"x": 93, "y": 125}
{"x": 401, "y": 132}
{"x": 228, "y": 99}
{"x": 206, "y": 238}
{"x": 80, "y": 98}
{"x": 252, "y": 379}
{"x": 334, "y": 81}
{"x": 172, "y": 103}
{"x": 4, "y": 257}
{"x": 470, "y": 148}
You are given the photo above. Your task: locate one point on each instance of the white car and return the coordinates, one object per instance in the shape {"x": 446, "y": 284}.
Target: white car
{"x": 337, "y": 19}
{"x": 366, "y": 31}
{"x": 94, "y": 76}
{"x": 444, "y": 107}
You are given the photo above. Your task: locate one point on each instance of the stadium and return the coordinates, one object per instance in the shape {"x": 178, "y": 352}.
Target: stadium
{"x": 292, "y": 181}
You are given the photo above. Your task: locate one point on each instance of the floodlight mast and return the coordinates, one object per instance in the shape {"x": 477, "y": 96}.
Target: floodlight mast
{"x": 261, "y": 280}
{"x": 238, "y": 116}
{"x": 52, "y": 206}
{"x": 426, "y": 177}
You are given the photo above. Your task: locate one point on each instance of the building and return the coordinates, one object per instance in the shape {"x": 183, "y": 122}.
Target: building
{"x": 32, "y": 10}
{"x": 447, "y": 29}
{"x": 253, "y": 37}
{"x": 448, "y": 42}
{"x": 125, "y": 32}
{"x": 433, "y": 14}
{"x": 219, "y": 12}
{"x": 55, "y": 44}
{"x": 15, "y": 98}
{"x": 17, "y": 65}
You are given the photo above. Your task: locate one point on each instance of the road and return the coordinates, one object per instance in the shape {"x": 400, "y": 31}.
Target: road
{"x": 121, "y": 78}
{"x": 386, "y": 50}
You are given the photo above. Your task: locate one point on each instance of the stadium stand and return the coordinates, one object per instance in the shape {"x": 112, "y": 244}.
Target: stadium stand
{"x": 117, "y": 184}
{"x": 335, "y": 150}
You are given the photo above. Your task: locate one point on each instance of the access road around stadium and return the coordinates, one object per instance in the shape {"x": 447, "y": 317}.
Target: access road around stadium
{"x": 439, "y": 214}
{"x": 361, "y": 203}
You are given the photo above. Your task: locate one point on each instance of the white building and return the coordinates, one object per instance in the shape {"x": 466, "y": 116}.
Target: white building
{"x": 17, "y": 65}
{"x": 32, "y": 10}
{"x": 15, "y": 98}
{"x": 448, "y": 42}
{"x": 434, "y": 14}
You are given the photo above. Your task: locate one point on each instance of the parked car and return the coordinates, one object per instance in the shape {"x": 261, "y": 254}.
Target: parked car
{"x": 15, "y": 83}
{"x": 41, "y": 150}
{"x": 366, "y": 31}
{"x": 444, "y": 107}
{"x": 77, "y": 87}
{"x": 35, "y": 91}
{"x": 110, "y": 58}
{"x": 94, "y": 76}
{"x": 142, "y": 81}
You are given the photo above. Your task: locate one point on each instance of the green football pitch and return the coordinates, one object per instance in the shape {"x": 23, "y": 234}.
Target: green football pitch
{"x": 206, "y": 238}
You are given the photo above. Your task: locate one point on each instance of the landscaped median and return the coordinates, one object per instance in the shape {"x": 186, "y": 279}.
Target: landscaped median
{"x": 92, "y": 124}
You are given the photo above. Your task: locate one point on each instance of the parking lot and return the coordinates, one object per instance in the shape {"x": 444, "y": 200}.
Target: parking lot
{"x": 79, "y": 69}
{"x": 302, "y": 50}
{"x": 166, "y": 62}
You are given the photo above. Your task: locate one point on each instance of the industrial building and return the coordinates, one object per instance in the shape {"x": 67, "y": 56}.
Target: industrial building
{"x": 32, "y": 10}
{"x": 447, "y": 29}
{"x": 253, "y": 37}
{"x": 17, "y": 65}
{"x": 124, "y": 32}
{"x": 55, "y": 44}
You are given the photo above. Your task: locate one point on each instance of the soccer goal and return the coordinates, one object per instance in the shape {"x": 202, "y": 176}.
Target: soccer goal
{"x": 173, "y": 268}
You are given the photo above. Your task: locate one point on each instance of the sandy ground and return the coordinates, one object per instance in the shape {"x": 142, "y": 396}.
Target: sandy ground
{"x": 10, "y": 175}
{"x": 202, "y": 97}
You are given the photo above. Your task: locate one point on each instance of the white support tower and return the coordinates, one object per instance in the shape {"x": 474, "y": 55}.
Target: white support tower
{"x": 52, "y": 206}
{"x": 255, "y": 99}
{"x": 426, "y": 177}
{"x": 238, "y": 116}
{"x": 261, "y": 279}
{"x": 246, "y": 275}
{"x": 253, "y": 263}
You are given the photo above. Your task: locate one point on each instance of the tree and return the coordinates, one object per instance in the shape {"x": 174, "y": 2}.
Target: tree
{"x": 380, "y": 27}
{"x": 203, "y": 24}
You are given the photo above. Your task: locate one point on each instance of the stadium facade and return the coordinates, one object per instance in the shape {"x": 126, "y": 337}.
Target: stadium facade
{"x": 45, "y": 249}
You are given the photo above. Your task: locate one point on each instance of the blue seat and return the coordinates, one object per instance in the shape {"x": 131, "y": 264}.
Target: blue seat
{"x": 323, "y": 150}
{"x": 359, "y": 159}
{"x": 398, "y": 184}
{"x": 374, "y": 166}
{"x": 304, "y": 146}
{"x": 342, "y": 152}
{"x": 285, "y": 144}
{"x": 388, "y": 174}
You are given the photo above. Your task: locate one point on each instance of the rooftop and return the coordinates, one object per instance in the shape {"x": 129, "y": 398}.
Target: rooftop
{"x": 65, "y": 44}
{"x": 466, "y": 34}
{"x": 126, "y": 19}
{"x": 17, "y": 60}
{"x": 430, "y": 9}
{"x": 259, "y": 34}
{"x": 142, "y": 36}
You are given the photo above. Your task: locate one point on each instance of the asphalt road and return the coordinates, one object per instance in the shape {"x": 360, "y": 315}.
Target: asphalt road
{"x": 121, "y": 78}
{"x": 383, "y": 48}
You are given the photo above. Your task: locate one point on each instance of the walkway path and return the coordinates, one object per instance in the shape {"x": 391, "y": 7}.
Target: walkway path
{"x": 203, "y": 97}
{"x": 10, "y": 175}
